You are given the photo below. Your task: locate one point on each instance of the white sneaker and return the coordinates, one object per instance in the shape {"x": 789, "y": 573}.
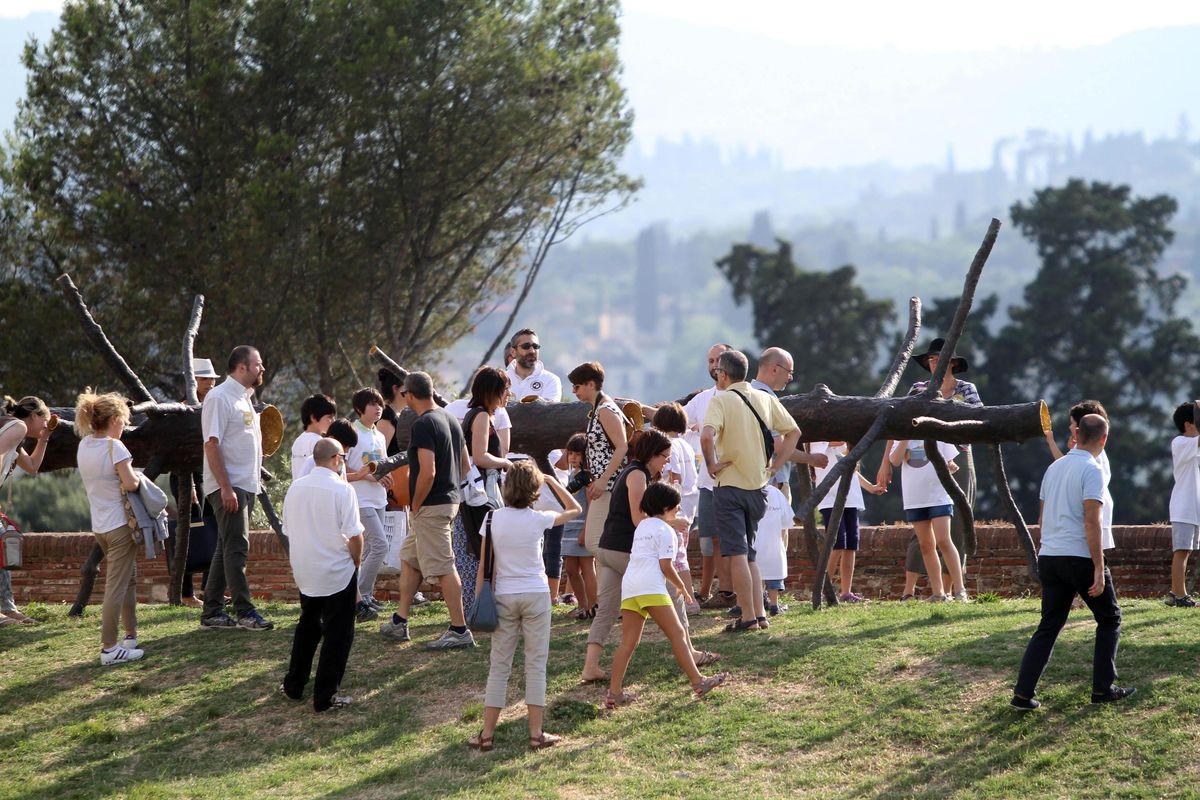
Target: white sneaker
{"x": 119, "y": 655}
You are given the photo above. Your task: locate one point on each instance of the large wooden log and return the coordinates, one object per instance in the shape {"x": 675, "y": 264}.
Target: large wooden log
{"x": 171, "y": 431}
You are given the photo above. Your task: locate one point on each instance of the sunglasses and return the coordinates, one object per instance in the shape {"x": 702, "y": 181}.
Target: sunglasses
{"x": 530, "y": 346}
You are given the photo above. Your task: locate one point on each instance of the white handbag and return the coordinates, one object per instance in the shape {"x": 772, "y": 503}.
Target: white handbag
{"x": 395, "y": 529}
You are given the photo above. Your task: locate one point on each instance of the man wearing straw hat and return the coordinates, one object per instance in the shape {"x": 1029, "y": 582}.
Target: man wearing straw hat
{"x": 232, "y": 465}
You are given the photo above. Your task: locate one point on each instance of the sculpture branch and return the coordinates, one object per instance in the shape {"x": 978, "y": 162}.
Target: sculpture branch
{"x": 103, "y": 346}
{"x": 964, "y": 308}
{"x": 812, "y": 538}
{"x": 183, "y": 532}
{"x": 831, "y": 530}
{"x": 961, "y": 505}
{"x": 400, "y": 372}
{"x": 189, "y": 339}
{"x": 1014, "y": 513}
{"x": 892, "y": 380}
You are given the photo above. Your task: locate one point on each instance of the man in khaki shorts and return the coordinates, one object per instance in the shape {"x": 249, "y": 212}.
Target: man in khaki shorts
{"x": 436, "y": 455}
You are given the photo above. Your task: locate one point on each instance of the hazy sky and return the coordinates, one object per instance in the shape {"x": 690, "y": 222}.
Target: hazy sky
{"x": 930, "y": 25}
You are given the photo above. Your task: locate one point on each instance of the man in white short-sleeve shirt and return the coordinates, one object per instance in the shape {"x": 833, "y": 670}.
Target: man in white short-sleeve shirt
{"x": 232, "y": 463}
{"x": 326, "y": 544}
{"x": 1070, "y": 563}
{"x": 705, "y": 524}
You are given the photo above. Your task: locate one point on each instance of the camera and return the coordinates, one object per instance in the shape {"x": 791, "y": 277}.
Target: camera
{"x": 581, "y": 479}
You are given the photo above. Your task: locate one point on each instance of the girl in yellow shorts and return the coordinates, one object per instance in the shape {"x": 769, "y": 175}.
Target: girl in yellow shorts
{"x": 644, "y": 594}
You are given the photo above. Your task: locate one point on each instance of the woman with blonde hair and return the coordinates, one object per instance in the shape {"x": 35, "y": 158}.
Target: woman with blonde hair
{"x": 106, "y": 466}
{"x": 27, "y": 418}
{"x": 523, "y": 602}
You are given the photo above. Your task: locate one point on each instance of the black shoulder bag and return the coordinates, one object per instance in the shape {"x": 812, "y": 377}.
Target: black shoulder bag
{"x": 768, "y": 437}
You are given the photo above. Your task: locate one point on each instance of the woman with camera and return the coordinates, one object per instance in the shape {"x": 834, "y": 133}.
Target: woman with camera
{"x": 22, "y": 419}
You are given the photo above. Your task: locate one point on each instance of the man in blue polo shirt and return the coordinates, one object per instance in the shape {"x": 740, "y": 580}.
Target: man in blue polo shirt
{"x": 1071, "y": 562}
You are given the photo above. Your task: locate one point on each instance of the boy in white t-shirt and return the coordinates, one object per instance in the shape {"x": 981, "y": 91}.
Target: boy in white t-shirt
{"x": 845, "y": 546}
{"x": 316, "y": 415}
{"x": 372, "y": 496}
{"x": 928, "y": 507}
{"x": 681, "y": 472}
{"x": 770, "y": 542}
{"x": 1185, "y": 502}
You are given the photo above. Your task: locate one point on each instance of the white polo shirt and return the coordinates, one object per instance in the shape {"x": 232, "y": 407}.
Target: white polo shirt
{"x": 541, "y": 382}
{"x": 320, "y": 515}
{"x": 1067, "y": 483}
{"x": 459, "y": 408}
{"x": 228, "y": 416}
{"x": 696, "y": 408}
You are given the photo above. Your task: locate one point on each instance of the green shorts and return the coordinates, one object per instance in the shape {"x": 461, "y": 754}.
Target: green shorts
{"x": 642, "y": 603}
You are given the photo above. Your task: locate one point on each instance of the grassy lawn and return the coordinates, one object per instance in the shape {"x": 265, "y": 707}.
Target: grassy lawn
{"x": 882, "y": 700}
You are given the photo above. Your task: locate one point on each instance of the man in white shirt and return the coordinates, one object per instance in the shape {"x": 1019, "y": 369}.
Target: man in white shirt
{"x": 322, "y": 520}
{"x": 706, "y": 526}
{"x": 1071, "y": 562}
{"x": 526, "y": 372}
{"x": 232, "y": 464}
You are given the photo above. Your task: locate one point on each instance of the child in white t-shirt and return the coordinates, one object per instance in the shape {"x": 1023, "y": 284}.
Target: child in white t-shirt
{"x": 770, "y": 542}
{"x": 928, "y": 507}
{"x": 644, "y": 594}
{"x": 845, "y": 547}
{"x": 372, "y": 495}
{"x": 672, "y": 420}
{"x": 1185, "y": 502}
{"x": 316, "y": 415}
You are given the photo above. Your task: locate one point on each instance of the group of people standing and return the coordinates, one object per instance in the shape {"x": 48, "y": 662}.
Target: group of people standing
{"x": 615, "y": 512}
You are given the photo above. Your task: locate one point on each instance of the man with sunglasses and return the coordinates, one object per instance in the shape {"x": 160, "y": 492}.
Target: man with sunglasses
{"x": 528, "y": 375}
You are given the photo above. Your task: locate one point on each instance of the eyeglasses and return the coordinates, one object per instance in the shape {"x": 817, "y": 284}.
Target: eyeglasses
{"x": 530, "y": 346}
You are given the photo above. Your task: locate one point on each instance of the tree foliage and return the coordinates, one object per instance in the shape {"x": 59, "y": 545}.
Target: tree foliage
{"x": 329, "y": 174}
{"x": 1098, "y": 321}
{"x": 829, "y": 324}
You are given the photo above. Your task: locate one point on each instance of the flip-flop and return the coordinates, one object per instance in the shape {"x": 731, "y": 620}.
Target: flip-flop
{"x": 741, "y": 625}
{"x": 762, "y": 623}
{"x": 706, "y": 658}
{"x": 708, "y": 684}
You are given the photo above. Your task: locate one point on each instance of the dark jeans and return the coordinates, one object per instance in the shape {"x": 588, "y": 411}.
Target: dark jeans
{"x": 1063, "y": 577}
{"x": 229, "y": 559}
{"x": 331, "y": 618}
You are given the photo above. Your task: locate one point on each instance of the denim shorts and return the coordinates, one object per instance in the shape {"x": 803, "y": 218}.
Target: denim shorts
{"x": 928, "y": 512}
{"x": 776, "y": 585}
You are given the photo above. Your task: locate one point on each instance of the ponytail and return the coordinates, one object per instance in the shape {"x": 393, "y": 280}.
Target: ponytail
{"x": 24, "y": 408}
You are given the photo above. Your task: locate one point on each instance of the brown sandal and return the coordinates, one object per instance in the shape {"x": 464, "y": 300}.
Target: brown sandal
{"x": 481, "y": 743}
{"x": 706, "y": 658}
{"x": 611, "y": 701}
{"x": 543, "y": 741}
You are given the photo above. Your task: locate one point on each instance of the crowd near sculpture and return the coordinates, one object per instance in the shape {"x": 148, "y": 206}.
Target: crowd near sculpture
{"x": 483, "y": 476}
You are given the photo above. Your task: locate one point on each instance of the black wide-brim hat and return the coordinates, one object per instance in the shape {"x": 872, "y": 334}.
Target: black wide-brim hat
{"x": 957, "y": 364}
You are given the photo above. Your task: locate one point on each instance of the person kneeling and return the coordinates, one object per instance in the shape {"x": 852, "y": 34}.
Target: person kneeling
{"x": 320, "y": 513}
{"x": 644, "y": 594}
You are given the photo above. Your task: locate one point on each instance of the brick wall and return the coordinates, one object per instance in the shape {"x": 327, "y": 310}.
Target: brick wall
{"x": 1140, "y": 564}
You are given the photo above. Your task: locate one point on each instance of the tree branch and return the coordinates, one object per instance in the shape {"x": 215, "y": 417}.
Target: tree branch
{"x": 189, "y": 338}
{"x": 812, "y": 538}
{"x": 103, "y": 346}
{"x": 892, "y": 379}
{"x": 1014, "y": 513}
{"x": 831, "y": 529}
{"x": 964, "y": 308}
{"x": 848, "y": 463}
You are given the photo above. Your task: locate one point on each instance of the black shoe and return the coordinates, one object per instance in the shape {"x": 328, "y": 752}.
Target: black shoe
{"x": 364, "y": 613}
{"x": 1024, "y": 703}
{"x": 736, "y": 611}
{"x": 1113, "y": 695}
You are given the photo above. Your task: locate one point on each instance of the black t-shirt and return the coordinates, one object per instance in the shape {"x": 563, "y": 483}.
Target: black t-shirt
{"x": 391, "y": 417}
{"x": 618, "y": 525}
{"x": 437, "y": 431}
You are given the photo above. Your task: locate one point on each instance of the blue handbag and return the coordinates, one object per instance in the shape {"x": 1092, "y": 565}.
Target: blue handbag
{"x": 484, "y": 616}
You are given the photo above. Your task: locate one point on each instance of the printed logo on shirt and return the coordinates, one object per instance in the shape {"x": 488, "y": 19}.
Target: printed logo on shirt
{"x": 248, "y": 418}
{"x": 916, "y": 456}
{"x": 536, "y": 386}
